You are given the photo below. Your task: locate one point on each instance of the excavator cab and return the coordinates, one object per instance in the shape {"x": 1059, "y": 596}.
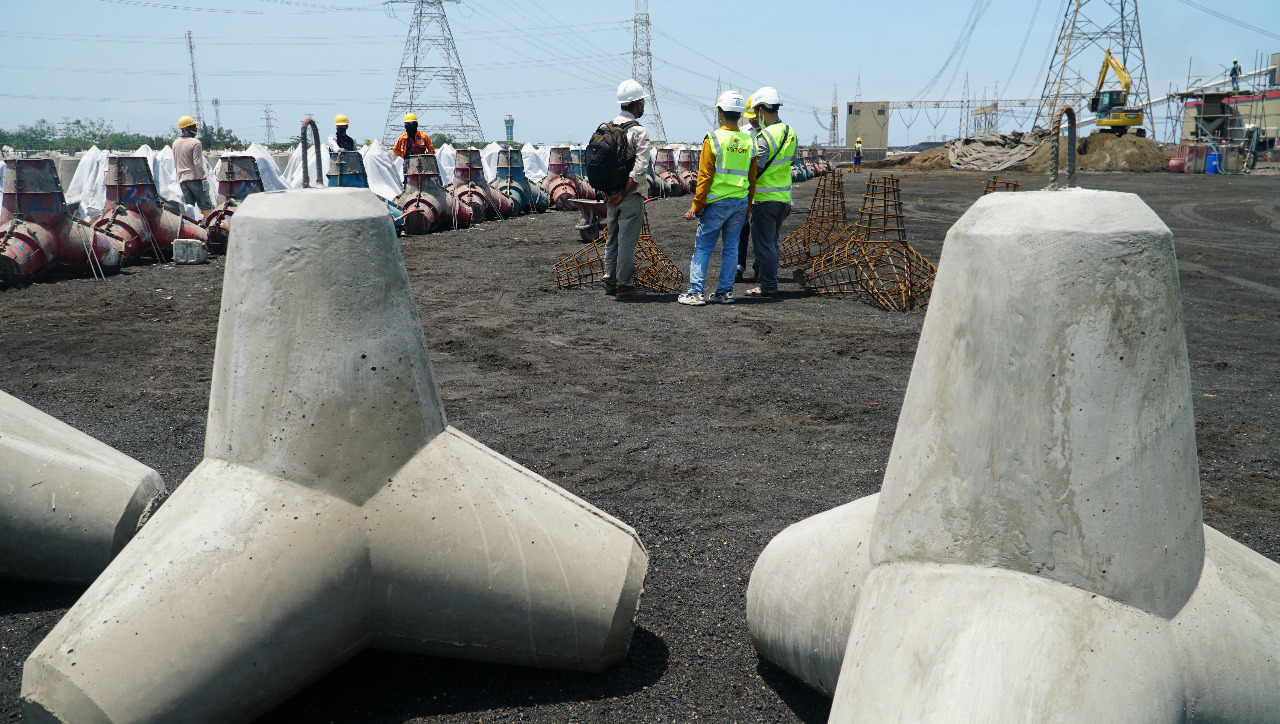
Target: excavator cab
{"x": 1113, "y": 115}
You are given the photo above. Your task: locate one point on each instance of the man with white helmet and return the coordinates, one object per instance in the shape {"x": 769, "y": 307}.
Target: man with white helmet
{"x": 617, "y": 161}
{"x": 726, "y": 181}
{"x": 775, "y": 149}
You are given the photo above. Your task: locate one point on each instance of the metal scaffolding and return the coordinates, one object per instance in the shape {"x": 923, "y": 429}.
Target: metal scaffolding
{"x": 431, "y": 83}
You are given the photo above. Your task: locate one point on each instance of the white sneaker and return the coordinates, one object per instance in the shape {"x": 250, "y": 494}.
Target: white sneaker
{"x": 692, "y": 298}
{"x": 721, "y": 298}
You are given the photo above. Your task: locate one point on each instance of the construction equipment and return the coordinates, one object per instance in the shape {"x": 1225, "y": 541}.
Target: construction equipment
{"x": 425, "y": 204}
{"x": 346, "y": 170}
{"x": 138, "y": 215}
{"x": 238, "y": 176}
{"x": 560, "y": 183}
{"x": 470, "y": 186}
{"x": 995, "y": 185}
{"x": 818, "y": 233}
{"x": 37, "y": 233}
{"x": 1113, "y": 115}
{"x": 664, "y": 167}
{"x": 687, "y": 168}
{"x": 585, "y": 190}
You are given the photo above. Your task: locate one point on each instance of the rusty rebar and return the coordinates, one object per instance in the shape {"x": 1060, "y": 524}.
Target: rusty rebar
{"x": 996, "y": 185}
{"x": 654, "y": 269}
{"x": 822, "y": 227}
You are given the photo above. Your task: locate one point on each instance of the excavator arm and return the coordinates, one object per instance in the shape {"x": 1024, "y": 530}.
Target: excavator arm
{"x": 1110, "y": 62}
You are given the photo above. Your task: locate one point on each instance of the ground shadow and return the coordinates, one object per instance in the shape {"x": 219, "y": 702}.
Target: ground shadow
{"x": 378, "y": 686}
{"x": 18, "y": 597}
{"x": 808, "y": 705}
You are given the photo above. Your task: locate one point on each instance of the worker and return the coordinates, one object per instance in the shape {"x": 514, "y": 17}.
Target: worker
{"x": 726, "y": 182}
{"x": 340, "y": 141}
{"x": 413, "y": 142}
{"x": 857, "y": 155}
{"x": 188, "y": 162}
{"x": 623, "y": 174}
{"x": 1236, "y": 72}
{"x": 775, "y": 149}
{"x": 745, "y": 236}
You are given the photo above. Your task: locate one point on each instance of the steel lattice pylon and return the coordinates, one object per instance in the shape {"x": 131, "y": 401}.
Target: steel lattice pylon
{"x": 431, "y": 83}
{"x": 642, "y": 68}
{"x": 1089, "y": 29}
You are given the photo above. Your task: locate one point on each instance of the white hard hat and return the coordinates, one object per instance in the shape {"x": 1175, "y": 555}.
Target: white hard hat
{"x": 630, "y": 90}
{"x": 731, "y": 100}
{"x": 767, "y": 95}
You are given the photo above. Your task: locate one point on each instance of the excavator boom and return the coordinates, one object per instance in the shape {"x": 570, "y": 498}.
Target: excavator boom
{"x": 1113, "y": 115}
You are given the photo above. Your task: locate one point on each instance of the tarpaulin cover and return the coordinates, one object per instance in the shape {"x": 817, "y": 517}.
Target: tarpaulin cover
{"x": 1, "y": 172}
{"x": 267, "y": 168}
{"x": 994, "y": 151}
{"x": 445, "y": 157}
{"x": 380, "y": 167}
{"x": 535, "y": 162}
{"x": 88, "y": 186}
{"x": 293, "y": 171}
{"x": 489, "y": 159}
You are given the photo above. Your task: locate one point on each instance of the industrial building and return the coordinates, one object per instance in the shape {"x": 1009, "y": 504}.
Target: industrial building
{"x": 870, "y": 122}
{"x": 1211, "y": 113}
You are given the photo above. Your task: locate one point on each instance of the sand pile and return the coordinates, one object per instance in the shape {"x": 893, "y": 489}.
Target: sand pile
{"x": 925, "y": 160}
{"x": 1102, "y": 152}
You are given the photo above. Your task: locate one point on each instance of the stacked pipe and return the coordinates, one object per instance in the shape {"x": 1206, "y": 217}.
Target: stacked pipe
{"x": 510, "y": 181}
{"x": 37, "y": 233}
{"x": 136, "y": 214}
{"x": 470, "y": 186}
{"x": 560, "y": 184}
{"x": 425, "y": 205}
{"x": 579, "y": 173}
{"x": 664, "y": 167}
{"x": 238, "y": 176}
{"x": 687, "y": 169}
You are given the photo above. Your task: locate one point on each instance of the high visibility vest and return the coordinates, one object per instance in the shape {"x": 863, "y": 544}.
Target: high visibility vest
{"x": 734, "y": 151}
{"x": 774, "y": 183}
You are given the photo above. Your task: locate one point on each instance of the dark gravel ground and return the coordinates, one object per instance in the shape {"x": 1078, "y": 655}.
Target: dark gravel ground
{"x": 707, "y": 429}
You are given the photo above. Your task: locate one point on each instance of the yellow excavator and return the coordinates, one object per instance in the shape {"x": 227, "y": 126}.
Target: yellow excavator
{"x": 1113, "y": 115}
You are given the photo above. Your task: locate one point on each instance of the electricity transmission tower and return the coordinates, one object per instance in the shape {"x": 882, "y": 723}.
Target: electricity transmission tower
{"x": 1089, "y": 29}
{"x": 833, "y": 139}
{"x": 196, "y": 111}
{"x": 431, "y": 83}
{"x": 269, "y": 121}
{"x": 642, "y": 66}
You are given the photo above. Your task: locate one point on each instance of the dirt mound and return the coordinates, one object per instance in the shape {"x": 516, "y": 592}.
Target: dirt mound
{"x": 923, "y": 161}
{"x": 1102, "y": 152}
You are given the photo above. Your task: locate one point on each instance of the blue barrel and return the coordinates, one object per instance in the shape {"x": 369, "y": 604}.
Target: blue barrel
{"x": 1213, "y": 163}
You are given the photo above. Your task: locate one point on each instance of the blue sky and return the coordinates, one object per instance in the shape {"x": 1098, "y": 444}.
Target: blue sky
{"x": 553, "y": 64}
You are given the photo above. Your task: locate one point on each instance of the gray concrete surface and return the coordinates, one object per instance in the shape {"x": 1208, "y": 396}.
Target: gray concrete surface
{"x": 334, "y": 509}
{"x": 1036, "y": 552}
{"x": 68, "y": 503}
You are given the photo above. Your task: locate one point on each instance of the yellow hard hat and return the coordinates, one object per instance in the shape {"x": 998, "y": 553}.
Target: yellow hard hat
{"x": 186, "y": 121}
{"x": 410, "y": 118}
{"x": 859, "y": 139}
{"x": 751, "y": 107}
{"x": 341, "y": 120}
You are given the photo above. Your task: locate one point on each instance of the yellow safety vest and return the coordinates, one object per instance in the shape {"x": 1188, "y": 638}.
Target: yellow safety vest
{"x": 774, "y": 183}
{"x": 734, "y": 151}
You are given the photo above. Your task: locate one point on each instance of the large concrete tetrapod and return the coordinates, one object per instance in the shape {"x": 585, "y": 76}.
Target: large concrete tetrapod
{"x": 1036, "y": 553}
{"x": 68, "y": 503}
{"x": 334, "y": 509}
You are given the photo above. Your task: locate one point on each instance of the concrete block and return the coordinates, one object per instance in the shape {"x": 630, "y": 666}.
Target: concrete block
{"x": 190, "y": 251}
{"x": 335, "y": 509}
{"x": 68, "y": 503}
{"x": 67, "y": 166}
{"x": 1037, "y": 551}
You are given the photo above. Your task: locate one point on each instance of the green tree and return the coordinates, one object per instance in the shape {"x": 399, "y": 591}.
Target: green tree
{"x": 439, "y": 139}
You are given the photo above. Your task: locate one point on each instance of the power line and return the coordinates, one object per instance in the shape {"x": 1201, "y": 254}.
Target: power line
{"x": 1230, "y": 19}
{"x": 431, "y": 57}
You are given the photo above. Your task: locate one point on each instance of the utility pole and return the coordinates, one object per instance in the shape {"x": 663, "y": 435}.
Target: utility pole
{"x": 1089, "y": 29}
{"x": 642, "y": 66}
{"x": 196, "y": 111}
{"x": 269, "y": 121}
{"x": 432, "y": 84}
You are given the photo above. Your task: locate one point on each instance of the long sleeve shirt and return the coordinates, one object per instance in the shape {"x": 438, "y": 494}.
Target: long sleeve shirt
{"x": 707, "y": 171}
{"x": 188, "y": 159}
{"x": 637, "y": 143}
{"x": 422, "y": 144}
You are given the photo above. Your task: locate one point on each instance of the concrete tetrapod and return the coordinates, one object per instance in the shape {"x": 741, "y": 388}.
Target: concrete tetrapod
{"x": 1037, "y": 551}
{"x": 334, "y": 509}
{"x": 68, "y": 503}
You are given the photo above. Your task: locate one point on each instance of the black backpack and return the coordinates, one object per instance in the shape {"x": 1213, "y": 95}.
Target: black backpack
{"x": 608, "y": 157}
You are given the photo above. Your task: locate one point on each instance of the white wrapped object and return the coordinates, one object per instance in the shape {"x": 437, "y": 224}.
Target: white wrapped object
{"x": 88, "y": 186}
{"x": 535, "y": 164}
{"x": 489, "y": 160}
{"x": 445, "y": 157}
{"x": 165, "y": 174}
{"x": 1, "y": 171}
{"x": 380, "y": 168}
{"x": 267, "y": 168}
{"x": 293, "y": 171}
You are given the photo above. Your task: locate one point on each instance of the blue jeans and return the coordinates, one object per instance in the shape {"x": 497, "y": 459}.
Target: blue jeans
{"x": 721, "y": 220}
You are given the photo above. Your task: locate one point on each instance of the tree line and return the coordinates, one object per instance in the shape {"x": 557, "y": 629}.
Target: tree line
{"x": 81, "y": 135}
